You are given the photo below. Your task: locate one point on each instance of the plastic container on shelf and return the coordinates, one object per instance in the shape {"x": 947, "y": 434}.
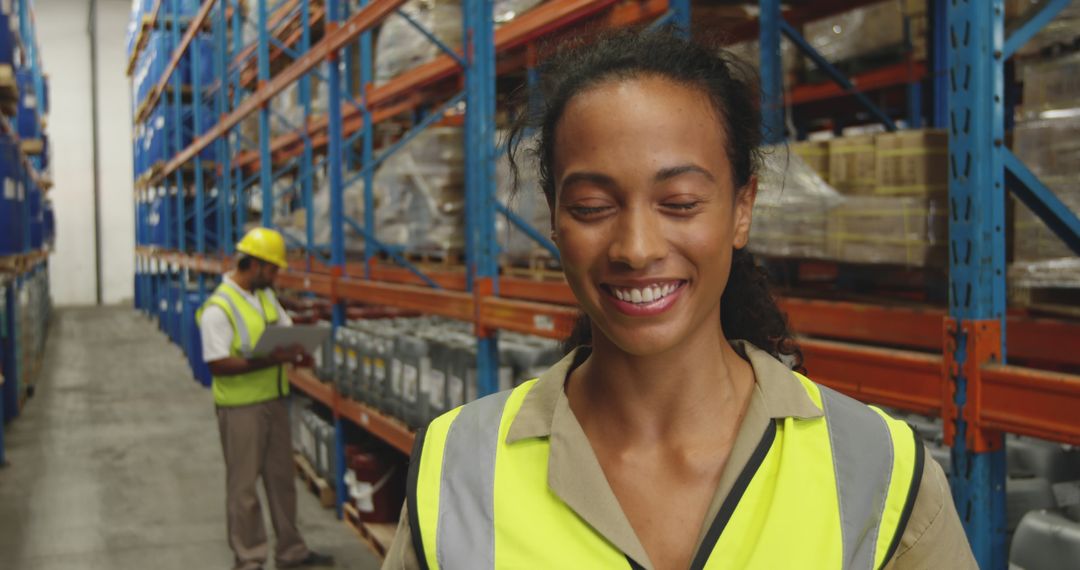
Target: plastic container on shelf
{"x": 12, "y": 197}
{"x": 1045, "y": 540}
{"x": 28, "y": 125}
{"x": 37, "y": 215}
{"x": 412, "y": 352}
{"x": 324, "y": 358}
{"x": 375, "y": 486}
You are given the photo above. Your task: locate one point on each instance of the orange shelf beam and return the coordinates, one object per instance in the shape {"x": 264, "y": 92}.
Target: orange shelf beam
{"x": 888, "y": 76}
{"x": 1031, "y": 402}
{"x": 378, "y": 424}
{"x": 386, "y": 100}
{"x": 303, "y": 380}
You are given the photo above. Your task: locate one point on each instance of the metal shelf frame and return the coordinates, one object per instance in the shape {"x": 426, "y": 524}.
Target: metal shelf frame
{"x": 968, "y": 50}
{"x": 342, "y": 142}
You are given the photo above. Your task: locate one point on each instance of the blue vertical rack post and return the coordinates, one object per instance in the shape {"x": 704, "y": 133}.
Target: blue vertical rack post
{"x": 481, "y": 246}
{"x": 976, "y": 267}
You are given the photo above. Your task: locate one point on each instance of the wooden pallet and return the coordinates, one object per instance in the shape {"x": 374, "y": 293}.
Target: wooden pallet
{"x": 33, "y": 146}
{"x": 435, "y": 258}
{"x": 9, "y": 91}
{"x": 378, "y": 536}
{"x": 540, "y": 265}
{"x": 319, "y": 486}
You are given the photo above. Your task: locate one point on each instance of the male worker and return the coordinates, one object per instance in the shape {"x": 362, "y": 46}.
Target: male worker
{"x": 253, "y": 414}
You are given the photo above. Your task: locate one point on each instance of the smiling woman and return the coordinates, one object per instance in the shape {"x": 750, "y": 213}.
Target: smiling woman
{"x": 671, "y": 435}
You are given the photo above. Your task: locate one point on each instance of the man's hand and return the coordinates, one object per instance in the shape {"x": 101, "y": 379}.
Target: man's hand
{"x": 293, "y": 354}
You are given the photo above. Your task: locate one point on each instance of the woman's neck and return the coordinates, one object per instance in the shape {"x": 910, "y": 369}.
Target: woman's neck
{"x": 694, "y": 390}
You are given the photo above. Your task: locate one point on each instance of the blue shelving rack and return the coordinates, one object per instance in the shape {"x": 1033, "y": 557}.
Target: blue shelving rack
{"x": 968, "y": 51}
{"x": 27, "y": 165}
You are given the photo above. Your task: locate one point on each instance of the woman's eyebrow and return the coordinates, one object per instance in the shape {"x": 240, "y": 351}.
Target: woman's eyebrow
{"x": 594, "y": 178}
{"x": 673, "y": 171}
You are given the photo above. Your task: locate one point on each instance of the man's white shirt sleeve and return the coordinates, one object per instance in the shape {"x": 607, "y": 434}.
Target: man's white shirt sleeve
{"x": 217, "y": 331}
{"x": 217, "y": 334}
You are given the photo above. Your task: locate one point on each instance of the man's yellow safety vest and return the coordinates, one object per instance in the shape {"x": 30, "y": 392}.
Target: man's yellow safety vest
{"x": 828, "y": 492}
{"x": 248, "y": 325}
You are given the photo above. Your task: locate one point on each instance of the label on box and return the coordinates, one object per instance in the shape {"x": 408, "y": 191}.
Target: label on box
{"x": 160, "y": 122}
{"x": 410, "y": 379}
{"x": 380, "y": 370}
{"x": 339, "y": 356}
{"x": 425, "y": 374}
{"x": 9, "y": 189}
{"x": 350, "y": 361}
{"x": 30, "y": 101}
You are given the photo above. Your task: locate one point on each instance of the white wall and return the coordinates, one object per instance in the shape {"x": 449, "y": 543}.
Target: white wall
{"x": 114, "y": 153}
{"x": 65, "y": 46}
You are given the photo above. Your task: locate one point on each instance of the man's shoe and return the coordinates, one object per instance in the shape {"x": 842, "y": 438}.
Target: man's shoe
{"x": 313, "y": 560}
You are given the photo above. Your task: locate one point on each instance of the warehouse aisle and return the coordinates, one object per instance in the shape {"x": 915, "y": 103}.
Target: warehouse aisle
{"x": 116, "y": 462}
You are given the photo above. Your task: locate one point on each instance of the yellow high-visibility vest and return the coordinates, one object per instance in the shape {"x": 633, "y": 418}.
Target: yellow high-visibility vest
{"x": 828, "y": 492}
{"x": 248, "y": 326}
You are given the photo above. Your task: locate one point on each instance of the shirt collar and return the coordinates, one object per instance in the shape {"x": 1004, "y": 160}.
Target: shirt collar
{"x": 782, "y": 394}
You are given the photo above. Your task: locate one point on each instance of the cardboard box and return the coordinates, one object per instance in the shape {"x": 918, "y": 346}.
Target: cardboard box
{"x": 852, "y": 164}
{"x": 912, "y": 163}
{"x": 889, "y": 230}
{"x": 815, "y": 154}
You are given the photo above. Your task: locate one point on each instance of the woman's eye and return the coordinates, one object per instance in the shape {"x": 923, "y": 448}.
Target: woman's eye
{"x": 682, "y": 206}
{"x": 586, "y": 211}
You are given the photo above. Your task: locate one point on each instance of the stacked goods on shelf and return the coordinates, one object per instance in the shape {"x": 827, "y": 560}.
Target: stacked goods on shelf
{"x": 815, "y": 154}
{"x": 313, "y": 437}
{"x": 420, "y": 193}
{"x": 1047, "y": 140}
{"x": 884, "y": 202}
{"x": 866, "y": 37}
{"x": 1062, "y": 32}
{"x": 12, "y": 198}
{"x": 294, "y": 223}
{"x": 792, "y": 208}
{"x": 528, "y": 202}
{"x": 416, "y": 369}
{"x": 401, "y": 47}
{"x": 900, "y": 217}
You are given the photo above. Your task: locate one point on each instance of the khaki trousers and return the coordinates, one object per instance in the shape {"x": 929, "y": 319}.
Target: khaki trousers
{"x": 257, "y": 442}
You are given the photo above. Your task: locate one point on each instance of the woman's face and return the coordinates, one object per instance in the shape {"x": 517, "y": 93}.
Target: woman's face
{"x": 645, "y": 213}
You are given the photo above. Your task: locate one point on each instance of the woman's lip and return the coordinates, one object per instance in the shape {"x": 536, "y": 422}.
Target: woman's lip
{"x": 644, "y": 309}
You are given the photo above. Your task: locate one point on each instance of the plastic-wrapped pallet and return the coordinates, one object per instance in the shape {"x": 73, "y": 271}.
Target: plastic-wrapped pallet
{"x": 401, "y": 47}
{"x": 1063, "y": 29}
{"x": 905, "y": 231}
{"x": 853, "y": 164}
{"x": 860, "y": 32}
{"x": 792, "y": 208}
{"x": 420, "y": 194}
{"x": 1051, "y": 149}
{"x": 528, "y": 202}
{"x": 295, "y": 225}
{"x": 1051, "y": 85}
{"x": 815, "y": 154}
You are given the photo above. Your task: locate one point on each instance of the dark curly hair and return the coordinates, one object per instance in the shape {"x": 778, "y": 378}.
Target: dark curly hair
{"x": 748, "y": 309}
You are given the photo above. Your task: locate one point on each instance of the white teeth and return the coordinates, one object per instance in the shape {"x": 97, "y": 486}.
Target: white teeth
{"x": 645, "y": 294}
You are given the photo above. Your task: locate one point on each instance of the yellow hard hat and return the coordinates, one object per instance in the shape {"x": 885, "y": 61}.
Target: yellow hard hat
{"x": 265, "y": 244}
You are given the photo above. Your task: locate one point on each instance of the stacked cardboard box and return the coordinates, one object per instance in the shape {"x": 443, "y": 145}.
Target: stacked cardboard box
{"x": 1051, "y": 85}
{"x": 792, "y": 206}
{"x": 907, "y": 231}
{"x": 912, "y": 163}
{"x": 815, "y": 154}
{"x": 853, "y": 164}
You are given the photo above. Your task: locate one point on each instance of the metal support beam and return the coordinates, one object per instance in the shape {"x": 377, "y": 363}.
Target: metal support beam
{"x": 481, "y": 247}
{"x": 1031, "y": 26}
{"x": 835, "y": 74}
{"x": 975, "y": 330}
{"x": 771, "y": 66}
{"x": 266, "y": 181}
{"x": 1042, "y": 201}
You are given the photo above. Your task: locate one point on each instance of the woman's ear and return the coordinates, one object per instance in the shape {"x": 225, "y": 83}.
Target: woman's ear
{"x": 744, "y": 213}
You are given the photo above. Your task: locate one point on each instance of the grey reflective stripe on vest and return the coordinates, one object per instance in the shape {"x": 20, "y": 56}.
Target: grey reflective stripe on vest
{"x": 862, "y": 453}
{"x": 239, "y": 323}
{"x": 466, "y": 526}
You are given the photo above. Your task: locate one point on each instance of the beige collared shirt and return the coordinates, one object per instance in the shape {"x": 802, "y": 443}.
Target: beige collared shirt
{"x": 933, "y": 538}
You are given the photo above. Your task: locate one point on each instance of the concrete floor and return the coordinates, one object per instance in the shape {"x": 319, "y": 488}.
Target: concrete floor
{"x": 116, "y": 463}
